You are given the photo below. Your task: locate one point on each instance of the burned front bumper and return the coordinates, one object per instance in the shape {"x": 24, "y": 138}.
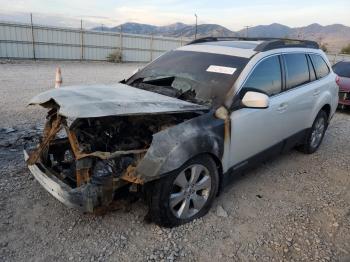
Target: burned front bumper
{"x": 86, "y": 198}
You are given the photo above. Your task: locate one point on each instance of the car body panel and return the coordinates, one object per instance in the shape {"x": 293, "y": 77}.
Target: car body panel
{"x": 344, "y": 84}
{"x": 84, "y": 198}
{"x": 344, "y": 91}
{"x": 327, "y": 95}
{"x": 118, "y": 99}
{"x": 171, "y": 148}
{"x": 265, "y": 127}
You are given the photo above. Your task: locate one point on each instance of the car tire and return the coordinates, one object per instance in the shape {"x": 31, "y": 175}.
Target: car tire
{"x": 185, "y": 194}
{"x": 316, "y": 133}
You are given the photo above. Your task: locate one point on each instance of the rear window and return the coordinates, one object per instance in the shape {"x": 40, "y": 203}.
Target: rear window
{"x": 342, "y": 69}
{"x": 297, "y": 70}
{"x": 320, "y": 66}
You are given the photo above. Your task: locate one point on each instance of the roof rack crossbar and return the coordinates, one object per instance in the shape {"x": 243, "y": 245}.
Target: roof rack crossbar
{"x": 267, "y": 44}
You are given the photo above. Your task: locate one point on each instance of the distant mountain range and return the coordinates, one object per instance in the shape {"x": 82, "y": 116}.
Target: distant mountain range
{"x": 333, "y": 36}
{"x": 173, "y": 30}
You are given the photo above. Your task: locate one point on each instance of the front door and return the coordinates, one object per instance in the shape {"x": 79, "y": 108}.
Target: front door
{"x": 256, "y": 130}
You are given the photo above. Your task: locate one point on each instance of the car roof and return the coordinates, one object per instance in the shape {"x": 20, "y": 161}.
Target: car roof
{"x": 237, "y": 44}
{"x": 246, "y": 47}
{"x": 220, "y": 49}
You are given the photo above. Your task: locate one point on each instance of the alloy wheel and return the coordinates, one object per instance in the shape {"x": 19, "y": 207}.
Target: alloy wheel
{"x": 317, "y": 132}
{"x": 190, "y": 191}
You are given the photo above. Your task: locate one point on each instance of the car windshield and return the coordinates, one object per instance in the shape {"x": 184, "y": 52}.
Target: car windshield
{"x": 193, "y": 76}
{"x": 342, "y": 69}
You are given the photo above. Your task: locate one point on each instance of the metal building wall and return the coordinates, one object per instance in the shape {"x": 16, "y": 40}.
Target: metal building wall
{"x": 335, "y": 58}
{"x": 23, "y": 41}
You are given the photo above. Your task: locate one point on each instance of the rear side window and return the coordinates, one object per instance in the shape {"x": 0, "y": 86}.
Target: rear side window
{"x": 297, "y": 70}
{"x": 266, "y": 76}
{"x": 311, "y": 69}
{"x": 320, "y": 66}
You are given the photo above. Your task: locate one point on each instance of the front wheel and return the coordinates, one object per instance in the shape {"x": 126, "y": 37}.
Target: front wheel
{"x": 185, "y": 194}
{"x": 315, "y": 134}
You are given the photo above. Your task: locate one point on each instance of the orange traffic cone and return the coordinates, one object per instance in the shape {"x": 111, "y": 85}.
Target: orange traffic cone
{"x": 58, "y": 78}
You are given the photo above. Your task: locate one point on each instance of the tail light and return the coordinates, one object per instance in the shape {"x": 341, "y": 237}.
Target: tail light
{"x": 337, "y": 80}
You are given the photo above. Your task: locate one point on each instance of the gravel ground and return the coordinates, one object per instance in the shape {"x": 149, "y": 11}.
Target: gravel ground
{"x": 294, "y": 208}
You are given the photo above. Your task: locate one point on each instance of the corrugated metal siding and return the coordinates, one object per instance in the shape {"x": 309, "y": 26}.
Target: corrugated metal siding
{"x": 16, "y": 41}
{"x": 334, "y": 58}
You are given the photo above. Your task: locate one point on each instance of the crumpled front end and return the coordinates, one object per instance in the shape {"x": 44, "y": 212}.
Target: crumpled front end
{"x": 84, "y": 198}
{"x": 83, "y": 164}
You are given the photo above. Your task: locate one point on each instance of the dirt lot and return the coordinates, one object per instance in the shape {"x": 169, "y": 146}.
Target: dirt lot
{"x": 294, "y": 208}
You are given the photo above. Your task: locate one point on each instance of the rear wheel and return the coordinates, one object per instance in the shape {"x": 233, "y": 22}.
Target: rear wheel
{"x": 316, "y": 133}
{"x": 185, "y": 194}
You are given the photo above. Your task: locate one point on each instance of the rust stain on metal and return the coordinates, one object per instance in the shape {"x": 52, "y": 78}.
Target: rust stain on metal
{"x": 73, "y": 142}
{"x": 83, "y": 176}
{"x": 51, "y": 129}
{"x": 129, "y": 175}
{"x": 108, "y": 155}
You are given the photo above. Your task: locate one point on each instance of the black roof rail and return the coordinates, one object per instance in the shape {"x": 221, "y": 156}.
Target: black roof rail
{"x": 267, "y": 44}
{"x": 285, "y": 43}
{"x": 214, "y": 39}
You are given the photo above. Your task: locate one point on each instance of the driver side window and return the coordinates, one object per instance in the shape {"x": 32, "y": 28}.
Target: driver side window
{"x": 266, "y": 77}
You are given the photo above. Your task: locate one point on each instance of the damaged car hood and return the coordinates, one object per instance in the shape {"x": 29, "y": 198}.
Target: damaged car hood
{"x": 107, "y": 100}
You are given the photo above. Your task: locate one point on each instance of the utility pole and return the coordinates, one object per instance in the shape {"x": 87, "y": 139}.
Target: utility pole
{"x": 246, "y": 30}
{"x": 33, "y": 38}
{"x": 195, "y": 33}
{"x": 102, "y": 27}
{"x": 81, "y": 40}
{"x": 121, "y": 42}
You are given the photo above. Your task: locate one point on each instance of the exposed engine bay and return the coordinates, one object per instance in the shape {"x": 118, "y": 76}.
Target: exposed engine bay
{"x": 94, "y": 149}
{"x": 100, "y": 140}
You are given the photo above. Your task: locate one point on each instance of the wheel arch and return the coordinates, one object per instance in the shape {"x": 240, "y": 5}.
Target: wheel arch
{"x": 173, "y": 147}
{"x": 324, "y": 103}
{"x": 327, "y": 109}
{"x": 220, "y": 170}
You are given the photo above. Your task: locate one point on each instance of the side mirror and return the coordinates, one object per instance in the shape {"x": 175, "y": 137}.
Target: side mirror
{"x": 136, "y": 71}
{"x": 253, "y": 99}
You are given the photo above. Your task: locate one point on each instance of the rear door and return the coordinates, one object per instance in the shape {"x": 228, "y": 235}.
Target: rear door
{"x": 302, "y": 92}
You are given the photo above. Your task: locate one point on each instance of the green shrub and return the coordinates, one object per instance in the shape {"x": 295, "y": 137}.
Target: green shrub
{"x": 346, "y": 50}
{"x": 115, "y": 57}
{"x": 324, "y": 48}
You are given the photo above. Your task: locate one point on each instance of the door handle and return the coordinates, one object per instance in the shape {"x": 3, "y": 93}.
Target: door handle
{"x": 282, "y": 107}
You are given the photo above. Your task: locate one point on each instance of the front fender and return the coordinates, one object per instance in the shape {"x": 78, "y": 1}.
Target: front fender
{"x": 172, "y": 147}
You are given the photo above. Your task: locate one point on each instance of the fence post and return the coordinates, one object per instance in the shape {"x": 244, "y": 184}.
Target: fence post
{"x": 151, "y": 48}
{"x": 81, "y": 39}
{"x": 121, "y": 42}
{"x": 33, "y": 40}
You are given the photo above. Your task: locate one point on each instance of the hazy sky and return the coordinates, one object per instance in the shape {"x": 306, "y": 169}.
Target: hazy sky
{"x": 229, "y": 13}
